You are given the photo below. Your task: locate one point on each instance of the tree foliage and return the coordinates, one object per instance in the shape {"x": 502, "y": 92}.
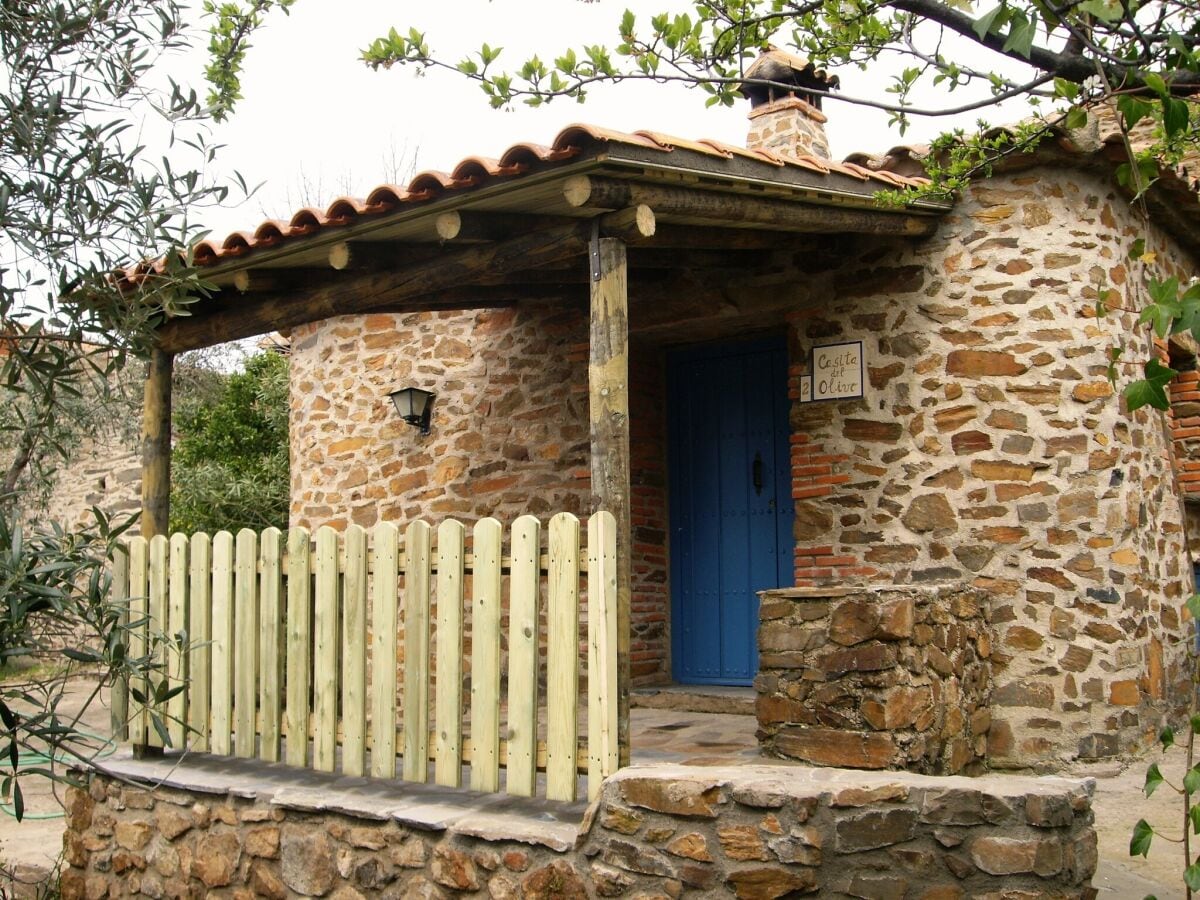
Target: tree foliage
{"x": 1064, "y": 58}
{"x": 86, "y": 89}
{"x": 230, "y": 461}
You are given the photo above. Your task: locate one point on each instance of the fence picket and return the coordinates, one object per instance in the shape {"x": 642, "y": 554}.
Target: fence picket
{"x": 485, "y": 661}
{"x": 138, "y": 647}
{"x": 178, "y": 639}
{"x": 448, "y": 703}
{"x": 602, "y": 649}
{"x": 119, "y": 597}
{"x": 325, "y": 651}
{"x": 159, "y": 645}
{"x": 299, "y": 645}
{"x": 383, "y": 650}
{"x": 222, "y": 647}
{"x": 562, "y": 658}
{"x": 416, "y": 652}
{"x": 523, "y": 655}
{"x": 240, "y": 663}
{"x": 200, "y": 638}
{"x": 245, "y": 643}
{"x": 270, "y": 651}
{"x": 354, "y": 653}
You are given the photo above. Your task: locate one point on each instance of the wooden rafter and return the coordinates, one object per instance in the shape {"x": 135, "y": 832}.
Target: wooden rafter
{"x": 588, "y": 191}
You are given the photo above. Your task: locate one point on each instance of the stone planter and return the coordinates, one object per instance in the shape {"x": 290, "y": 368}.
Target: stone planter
{"x": 890, "y": 677}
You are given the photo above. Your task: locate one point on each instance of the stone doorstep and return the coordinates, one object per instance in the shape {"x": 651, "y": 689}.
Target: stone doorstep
{"x": 426, "y": 807}
{"x": 698, "y": 698}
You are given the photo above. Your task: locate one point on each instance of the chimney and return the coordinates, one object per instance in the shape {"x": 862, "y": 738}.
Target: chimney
{"x": 786, "y": 117}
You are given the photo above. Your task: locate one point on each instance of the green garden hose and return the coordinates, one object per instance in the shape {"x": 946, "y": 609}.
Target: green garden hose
{"x": 106, "y": 750}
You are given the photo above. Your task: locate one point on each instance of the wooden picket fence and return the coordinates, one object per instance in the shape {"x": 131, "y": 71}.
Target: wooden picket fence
{"x": 269, "y": 640}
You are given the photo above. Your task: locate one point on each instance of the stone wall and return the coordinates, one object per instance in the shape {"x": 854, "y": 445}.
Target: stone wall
{"x": 106, "y": 473}
{"x": 875, "y": 678}
{"x": 656, "y": 832}
{"x": 509, "y": 434}
{"x": 989, "y": 450}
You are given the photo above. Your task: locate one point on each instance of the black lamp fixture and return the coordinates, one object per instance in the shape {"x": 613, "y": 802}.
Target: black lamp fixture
{"x": 414, "y": 406}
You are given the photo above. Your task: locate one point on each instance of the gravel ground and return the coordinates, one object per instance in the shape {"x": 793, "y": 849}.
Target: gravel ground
{"x": 33, "y": 845}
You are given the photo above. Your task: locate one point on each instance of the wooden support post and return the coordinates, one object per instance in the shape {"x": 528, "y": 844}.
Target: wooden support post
{"x": 156, "y": 474}
{"x": 156, "y": 445}
{"x": 608, "y": 386}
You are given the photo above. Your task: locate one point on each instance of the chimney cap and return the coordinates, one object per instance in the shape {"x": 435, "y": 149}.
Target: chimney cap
{"x": 786, "y": 68}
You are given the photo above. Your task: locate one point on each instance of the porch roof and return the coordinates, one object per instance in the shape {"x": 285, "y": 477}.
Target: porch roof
{"x": 481, "y": 181}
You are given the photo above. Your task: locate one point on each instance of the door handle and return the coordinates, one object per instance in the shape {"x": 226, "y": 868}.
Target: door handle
{"x": 756, "y": 474}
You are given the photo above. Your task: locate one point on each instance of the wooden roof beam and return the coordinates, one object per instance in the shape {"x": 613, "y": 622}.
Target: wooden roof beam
{"x": 590, "y": 191}
{"x": 369, "y": 290}
{"x": 634, "y": 225}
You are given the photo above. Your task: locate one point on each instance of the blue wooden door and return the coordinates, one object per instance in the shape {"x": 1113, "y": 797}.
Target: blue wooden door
{"x": 730, "y": 504}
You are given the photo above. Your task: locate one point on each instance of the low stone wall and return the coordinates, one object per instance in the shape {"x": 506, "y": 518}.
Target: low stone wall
{"x": 875, "y": 678}
{"x": 655, "y": 832}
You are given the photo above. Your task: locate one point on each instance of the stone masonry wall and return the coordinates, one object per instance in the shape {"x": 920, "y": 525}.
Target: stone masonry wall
{"x": 106, "y": 473}
{"x": 990, "y": 450}
{"x": 509, "y": 434}
{"x": 875, "y": 678}
{"x": 754, "y": 833}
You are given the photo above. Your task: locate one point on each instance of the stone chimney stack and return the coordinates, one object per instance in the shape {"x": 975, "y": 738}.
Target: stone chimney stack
{"x": 787, "y": 119}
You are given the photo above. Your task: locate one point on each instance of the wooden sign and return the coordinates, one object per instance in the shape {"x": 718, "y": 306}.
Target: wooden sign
{"x": 836, "y": 373}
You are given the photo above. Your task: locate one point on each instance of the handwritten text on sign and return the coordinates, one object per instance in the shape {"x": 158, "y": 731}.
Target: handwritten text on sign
{"x": 836, "y": 373}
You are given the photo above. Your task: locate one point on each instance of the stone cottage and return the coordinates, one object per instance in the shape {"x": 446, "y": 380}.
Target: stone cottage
{"x": 817, "y": 393}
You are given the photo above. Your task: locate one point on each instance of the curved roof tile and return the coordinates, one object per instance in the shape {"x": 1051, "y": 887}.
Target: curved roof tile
{"x": 514, "y": 162}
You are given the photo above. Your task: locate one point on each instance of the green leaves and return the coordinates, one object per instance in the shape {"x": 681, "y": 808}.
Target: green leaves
{"x": 1153, "y": 779}
{"x": 1151, "y": 390}
{"x": 1191, "y": 780}
{"x": 1191, "y": 876}
{"x": 1143, "y": 834}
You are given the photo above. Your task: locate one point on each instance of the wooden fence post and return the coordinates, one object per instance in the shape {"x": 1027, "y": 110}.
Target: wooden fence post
{"x": 156, "y": 445}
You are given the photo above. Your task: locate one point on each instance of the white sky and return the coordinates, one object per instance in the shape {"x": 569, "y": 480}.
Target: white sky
{"x": 313, "y": 113}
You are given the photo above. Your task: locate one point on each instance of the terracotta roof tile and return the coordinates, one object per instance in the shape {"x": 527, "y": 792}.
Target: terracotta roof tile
{"x": 473, "y": 171}
{"x": 901, "y": 167}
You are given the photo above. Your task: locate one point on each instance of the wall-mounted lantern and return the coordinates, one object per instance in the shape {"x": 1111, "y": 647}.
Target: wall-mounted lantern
{"x": 414, "y": 406}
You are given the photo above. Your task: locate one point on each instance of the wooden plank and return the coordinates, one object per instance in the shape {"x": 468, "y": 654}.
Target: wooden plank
{"x": 608, "y": 390}
{"x": 139, "y": 557}
{"x": 245, "y": 643}
{"x": 589, "y": 191}
{"x": 156, "y": 444}
{"x": 562, "y": 658}
{"x": 299, "y": 646}
{"x": 603, "y": 755}
{"x": 416, "y": 652}
{"x": 485, "y": 657}
{"x": 222, "y": 644}
{"x": 271, "y": 647}
{"x": 200, "y": 634}
{"x": 354, "y": 653}
{"x": 178, "y": 638}
{"x": 325, "y": 651}
{"x": 372, "y": 290}
{"x": 523, "y": 602}
{"x": 384, "y": 638}
{"x": 156, "y": 610}
{"x": 448, "y": 697}
{"x": 118, "y": 592}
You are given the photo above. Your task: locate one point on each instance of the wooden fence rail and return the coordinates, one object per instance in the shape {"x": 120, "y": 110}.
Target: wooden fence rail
{"x": 287, "y": 648}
